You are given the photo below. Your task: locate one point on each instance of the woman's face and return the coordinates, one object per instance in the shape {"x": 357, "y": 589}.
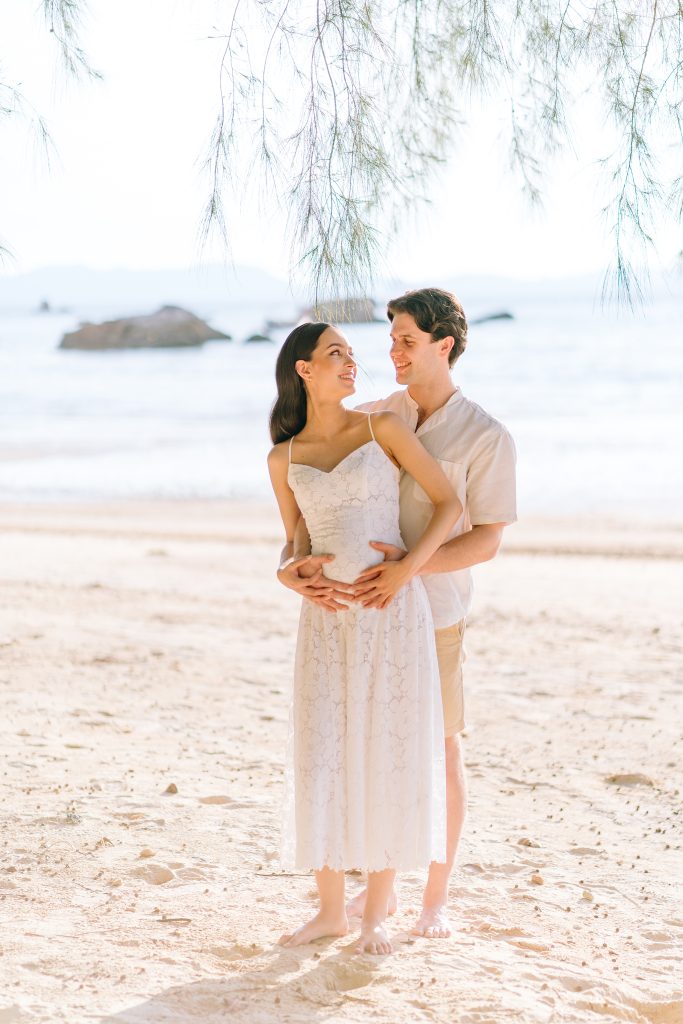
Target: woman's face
{"x": 331, "y": 371}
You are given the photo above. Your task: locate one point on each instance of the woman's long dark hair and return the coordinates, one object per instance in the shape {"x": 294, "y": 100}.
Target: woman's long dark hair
{"x": 288, "y": 415}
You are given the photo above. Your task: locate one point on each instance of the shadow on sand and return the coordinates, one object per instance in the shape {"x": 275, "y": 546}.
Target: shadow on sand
{"x": 293, "y": 984}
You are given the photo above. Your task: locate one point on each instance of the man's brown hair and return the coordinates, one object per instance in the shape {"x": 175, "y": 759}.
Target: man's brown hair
{"x": 435, "y": 312}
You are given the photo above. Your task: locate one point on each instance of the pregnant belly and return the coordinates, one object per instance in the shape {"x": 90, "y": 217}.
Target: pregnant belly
{"x": 349, "y": 560}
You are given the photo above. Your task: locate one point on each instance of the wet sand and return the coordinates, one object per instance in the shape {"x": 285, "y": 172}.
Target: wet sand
{"x": 147, "y": 648}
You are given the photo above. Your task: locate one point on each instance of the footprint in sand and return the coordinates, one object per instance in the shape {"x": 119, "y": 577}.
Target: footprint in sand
{"x": 155, "y": 874}
{"x": 527, "y": 944}
{"x": 346, "y": 977}
{"x": 10, "y": 1014}
{"x": 627, "y": 1009}
{"x": 629, "y": 779}
{"x": 660, "y": 938}
{"x": 492, "y": 929}
{"x": 107, "y": 659}
{"x": 491, "y": 870}
{"x": 660, "y": 1013}
{"x": 135, "y": 819}
{"x": 192, "y": 875}
{"x": 514, "y": 936}
{"x": 236, "y": 952}
{"x": 218, "y": 799}
{"x": 509, "y": 869}
{"x": 574, "y": 984}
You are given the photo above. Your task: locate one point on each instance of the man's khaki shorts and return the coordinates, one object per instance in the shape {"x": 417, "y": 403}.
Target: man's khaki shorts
{"x": 450, "y": 652}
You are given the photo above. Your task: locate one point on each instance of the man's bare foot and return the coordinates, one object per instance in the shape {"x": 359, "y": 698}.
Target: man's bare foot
{"x": 433, "y": 923}
{"x": 318, "y": 927}
{"x": 373, "y": 939}
{"x": 356, "y": 906}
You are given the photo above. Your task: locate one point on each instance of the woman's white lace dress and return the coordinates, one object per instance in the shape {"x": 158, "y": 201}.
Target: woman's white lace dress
{"x": 365, "y": 781}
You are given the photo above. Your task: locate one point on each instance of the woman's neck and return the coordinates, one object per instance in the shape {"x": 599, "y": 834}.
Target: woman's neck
{"x": 325, "y": 420}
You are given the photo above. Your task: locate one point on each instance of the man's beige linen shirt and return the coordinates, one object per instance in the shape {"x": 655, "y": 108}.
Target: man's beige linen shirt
{"x": 478, "y": 456}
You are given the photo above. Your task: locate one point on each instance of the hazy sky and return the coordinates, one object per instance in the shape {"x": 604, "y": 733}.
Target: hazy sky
{"x": 125, "y": 187}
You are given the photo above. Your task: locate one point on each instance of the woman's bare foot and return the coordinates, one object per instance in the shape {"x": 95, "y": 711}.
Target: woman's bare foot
{"x": 433, "y": 923}
{"x": 373, "y": 939}
{"x": 356, "y": 906}
{"x": 318, "y": 927}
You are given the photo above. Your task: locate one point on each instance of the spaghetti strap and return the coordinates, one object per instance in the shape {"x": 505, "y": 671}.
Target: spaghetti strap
{"x": 289, "y": 450}
{"x": 372, "y": 432}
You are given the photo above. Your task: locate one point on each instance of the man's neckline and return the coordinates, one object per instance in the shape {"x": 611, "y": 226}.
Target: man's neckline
{"x": 411, "y": 401}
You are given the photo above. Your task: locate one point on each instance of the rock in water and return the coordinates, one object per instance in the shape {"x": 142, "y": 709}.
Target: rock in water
{"x": 339, "y": 310}
{"x": 504, "y": 315}
{"x": 169, "y": 327}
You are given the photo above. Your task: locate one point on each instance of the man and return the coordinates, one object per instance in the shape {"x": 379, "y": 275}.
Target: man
{"x": 428, "y": 335}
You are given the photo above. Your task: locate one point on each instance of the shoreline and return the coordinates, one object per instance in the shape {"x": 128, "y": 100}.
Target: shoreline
{"x": 228, "y": 521}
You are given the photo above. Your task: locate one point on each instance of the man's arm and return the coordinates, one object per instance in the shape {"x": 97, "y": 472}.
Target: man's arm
{"x": 480, "y": 544}
{"x": 490, "y": 493}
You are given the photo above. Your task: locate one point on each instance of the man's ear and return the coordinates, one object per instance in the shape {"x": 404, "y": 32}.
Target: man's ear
{"x": 446, "y": 344}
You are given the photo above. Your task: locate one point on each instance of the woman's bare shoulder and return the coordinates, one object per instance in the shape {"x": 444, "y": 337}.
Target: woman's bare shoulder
{"x": 389, "y": 423}
{"x": 278, "y": 455}
{"x": 386, "y": 417}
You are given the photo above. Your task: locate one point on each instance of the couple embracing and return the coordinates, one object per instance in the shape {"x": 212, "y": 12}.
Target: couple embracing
{"x": 385, "y": 508}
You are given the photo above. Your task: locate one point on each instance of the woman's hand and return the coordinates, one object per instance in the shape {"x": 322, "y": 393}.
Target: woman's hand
{"x": 305, "y": 577}
{"x": 378, "y": 585}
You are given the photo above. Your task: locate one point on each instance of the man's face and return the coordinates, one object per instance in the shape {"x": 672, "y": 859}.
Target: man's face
{"x": 415, "y": 356}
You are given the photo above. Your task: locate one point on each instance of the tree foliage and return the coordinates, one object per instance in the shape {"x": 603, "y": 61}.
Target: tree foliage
{"x": 63, "y": 19}
{"x": 349, "y": 106}
{"x": 345, "y": 109}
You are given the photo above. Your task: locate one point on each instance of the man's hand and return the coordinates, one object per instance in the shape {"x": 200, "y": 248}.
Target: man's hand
{"x": 305, "y": 577}
{"x": 376, "y": 587}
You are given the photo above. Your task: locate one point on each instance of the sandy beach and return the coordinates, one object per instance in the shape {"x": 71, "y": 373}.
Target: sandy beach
{"x": 145, "y": 666}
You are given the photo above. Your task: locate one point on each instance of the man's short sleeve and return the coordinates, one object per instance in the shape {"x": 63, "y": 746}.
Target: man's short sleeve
{"x": 491, "y": 488}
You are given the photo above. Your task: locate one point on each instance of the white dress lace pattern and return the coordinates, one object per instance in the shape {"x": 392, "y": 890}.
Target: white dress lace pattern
{"x": 365, "y": 780}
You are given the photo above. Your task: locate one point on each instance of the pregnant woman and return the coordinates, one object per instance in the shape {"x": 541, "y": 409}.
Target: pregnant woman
{"x": 365, "y": 778}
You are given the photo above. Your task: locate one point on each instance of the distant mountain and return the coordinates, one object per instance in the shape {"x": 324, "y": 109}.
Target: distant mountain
{"x": 482, "y": 295}
{"x": 207, "y": 290}
{"x": 140, "y": 291}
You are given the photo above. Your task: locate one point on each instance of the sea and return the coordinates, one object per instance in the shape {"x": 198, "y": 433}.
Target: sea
{"x": 592, "y": 395}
